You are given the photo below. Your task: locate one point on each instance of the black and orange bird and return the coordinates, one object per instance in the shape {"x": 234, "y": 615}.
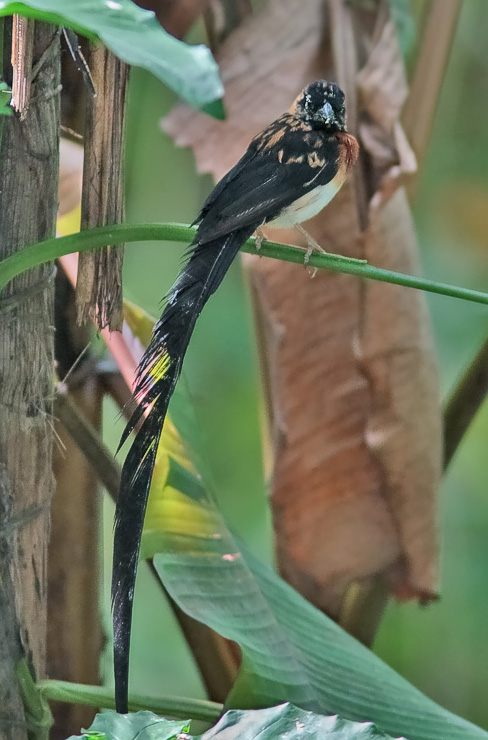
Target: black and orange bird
{"x": 290, "y": 171}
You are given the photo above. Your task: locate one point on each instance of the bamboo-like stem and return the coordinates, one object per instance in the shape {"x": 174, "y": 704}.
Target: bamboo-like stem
{"x": 50, "y": 249}
{"x": 364, "y": 607}
{"x": 426, "y": 84}
{"x": 464, "y": 402}
{"x": 89, "y": 442}
{"x": 433, "y": 56}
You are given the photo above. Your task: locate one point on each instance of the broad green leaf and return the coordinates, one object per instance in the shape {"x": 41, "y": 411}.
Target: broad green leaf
{"x": 284, "y": 721}
{"x": 135, "y": 36}
{"x": 143, "y": 725}
{"x": 289, "y": 723}
{"x": 291, "y": 651}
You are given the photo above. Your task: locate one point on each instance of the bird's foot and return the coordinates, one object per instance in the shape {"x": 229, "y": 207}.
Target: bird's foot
{"x": 259, "y": 237}
{"x": 313, "y": 246}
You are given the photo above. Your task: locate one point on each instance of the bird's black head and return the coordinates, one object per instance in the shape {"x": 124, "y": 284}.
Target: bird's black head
{"x": 321, "y": 105}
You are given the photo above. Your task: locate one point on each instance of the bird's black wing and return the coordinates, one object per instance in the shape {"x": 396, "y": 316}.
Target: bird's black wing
{"x": 225, "y": 181}
{"x": 270, "y": 176}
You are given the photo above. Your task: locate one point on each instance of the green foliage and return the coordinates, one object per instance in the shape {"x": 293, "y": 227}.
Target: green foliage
{"x": 135, "y": 36}
{"x": 290, "y": 722}
{"x": 130, "y": 726}
{"x": 267, "y": 724}
{"x": 291, "y": 651}
{"x": 5, "y": 96}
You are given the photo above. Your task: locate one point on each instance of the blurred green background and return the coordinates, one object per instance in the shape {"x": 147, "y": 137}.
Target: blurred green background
{"x": 442, "y": 649}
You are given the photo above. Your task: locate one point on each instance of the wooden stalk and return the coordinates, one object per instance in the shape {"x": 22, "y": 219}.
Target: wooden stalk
{"x": 426, "y": 83}
{"x": 99, "y": 286}
{"x": 28, "y": 205}
{"x": 75, "y": 636}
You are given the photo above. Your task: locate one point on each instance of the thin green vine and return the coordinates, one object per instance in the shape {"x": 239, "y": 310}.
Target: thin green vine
{"x": 84, "y": 241}
{"x": 103, "y": 698}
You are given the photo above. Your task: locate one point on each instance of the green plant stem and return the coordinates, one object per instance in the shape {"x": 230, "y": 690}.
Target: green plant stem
{"x": 464, "y": 402}
{"x": 103, "y": 698}
{"x": 50, "y": 249}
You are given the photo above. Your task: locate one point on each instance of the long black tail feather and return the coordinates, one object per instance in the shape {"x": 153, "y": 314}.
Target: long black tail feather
{"x": 156, "y": 379}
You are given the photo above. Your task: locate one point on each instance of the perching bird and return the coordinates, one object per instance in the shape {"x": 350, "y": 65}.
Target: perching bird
{"x": 289, "y": 172}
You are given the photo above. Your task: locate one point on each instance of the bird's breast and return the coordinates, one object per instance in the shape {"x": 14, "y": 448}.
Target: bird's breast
{"x": 308, "y": 205}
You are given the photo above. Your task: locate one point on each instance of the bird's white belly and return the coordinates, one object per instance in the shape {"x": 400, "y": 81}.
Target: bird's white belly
{"x": 307, "y": 206}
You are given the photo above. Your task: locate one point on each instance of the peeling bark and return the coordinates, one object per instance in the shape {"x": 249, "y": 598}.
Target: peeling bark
{"x": 28, "y": 205}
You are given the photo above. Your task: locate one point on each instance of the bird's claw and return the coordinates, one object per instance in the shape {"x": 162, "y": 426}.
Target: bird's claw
{"x": 259, "y": 238}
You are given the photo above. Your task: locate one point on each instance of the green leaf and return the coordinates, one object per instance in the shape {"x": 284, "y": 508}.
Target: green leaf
{"x": 135, "y": 36}
{"x": 291, "y": 651}
{"x": 143, "y": 725}
{"x": 5, "y": 98}
{"x": 287, "y": 721}
{"x": 284, "y": 721}
{"x": 215, "y": 109}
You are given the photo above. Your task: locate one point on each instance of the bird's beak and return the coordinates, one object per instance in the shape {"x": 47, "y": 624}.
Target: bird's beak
{"x": 327, "y": 113}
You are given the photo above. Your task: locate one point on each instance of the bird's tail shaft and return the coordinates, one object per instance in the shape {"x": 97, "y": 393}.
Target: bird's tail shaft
{"x": 156, "y": 379}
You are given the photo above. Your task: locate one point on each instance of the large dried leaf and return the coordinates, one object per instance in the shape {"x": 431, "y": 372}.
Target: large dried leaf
{"x": 349, "y": 366}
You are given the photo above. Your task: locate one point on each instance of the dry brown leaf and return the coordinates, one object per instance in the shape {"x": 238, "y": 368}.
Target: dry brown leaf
{"x": 349, "y": 366}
